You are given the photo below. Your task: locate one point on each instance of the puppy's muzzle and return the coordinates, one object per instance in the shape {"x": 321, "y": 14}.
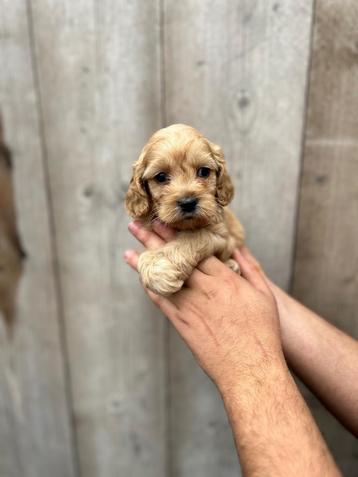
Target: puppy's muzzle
{"x": 187, "y": 204}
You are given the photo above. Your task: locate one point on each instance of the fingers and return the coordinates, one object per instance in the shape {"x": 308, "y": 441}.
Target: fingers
{"x": 131, "y": 257}
{"x": 196, "y": 279}
{"x": 184, "y": 296}
{"x": 250, "y": 258}
{"x": 169, "y": 308}
{"x": 164, "y": 232}
{"x": 148, "y": 238}
{"x": 212, "y": 266}
{"x": 251, "y": 271}
{"x": 166, "y": 305}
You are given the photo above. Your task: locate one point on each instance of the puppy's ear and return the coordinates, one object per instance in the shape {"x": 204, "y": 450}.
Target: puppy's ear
{"x": 224, "y": 187}
{"x": 137, "y": 198}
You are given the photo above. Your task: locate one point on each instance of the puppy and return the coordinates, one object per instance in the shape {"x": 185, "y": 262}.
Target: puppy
{"x": 181, "y": 179}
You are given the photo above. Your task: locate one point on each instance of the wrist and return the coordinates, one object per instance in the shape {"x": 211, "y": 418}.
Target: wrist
{"x": 288, "y": 307}
{"x": 248, "y": 382}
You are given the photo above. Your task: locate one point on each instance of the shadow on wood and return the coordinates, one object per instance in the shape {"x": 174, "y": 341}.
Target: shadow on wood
{"x": 11, "y": 251}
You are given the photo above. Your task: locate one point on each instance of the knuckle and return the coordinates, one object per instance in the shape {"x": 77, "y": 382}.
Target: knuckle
{"x": 211, "y": 293}
{"x": 142, "y": 234}
{"x": 257, "y": 266}
{"x": 229, "y": 280}
{"x": 155, "y": 298}
{"x": 253, "y": 267}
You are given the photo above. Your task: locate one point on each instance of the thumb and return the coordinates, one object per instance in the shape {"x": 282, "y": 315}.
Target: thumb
{"x": 251, "y": 271}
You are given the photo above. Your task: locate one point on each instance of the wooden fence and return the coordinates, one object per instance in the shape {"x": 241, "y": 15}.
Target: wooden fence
{"x": 94, "y": 383}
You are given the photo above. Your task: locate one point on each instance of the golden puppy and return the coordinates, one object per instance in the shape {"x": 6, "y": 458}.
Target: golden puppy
{"x": 181, "y": 179}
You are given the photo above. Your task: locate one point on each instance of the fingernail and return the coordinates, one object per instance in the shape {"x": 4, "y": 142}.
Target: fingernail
{"x": 134, "y": 226}
{"x": 127, "y": 255}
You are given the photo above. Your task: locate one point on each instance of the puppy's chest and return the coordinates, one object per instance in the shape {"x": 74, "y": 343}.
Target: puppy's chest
{"x": 234, "y": 227}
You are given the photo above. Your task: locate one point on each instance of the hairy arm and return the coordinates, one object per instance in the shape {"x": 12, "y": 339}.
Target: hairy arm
{"x": 274, "y": 432}
{"x": 325, "y": 358}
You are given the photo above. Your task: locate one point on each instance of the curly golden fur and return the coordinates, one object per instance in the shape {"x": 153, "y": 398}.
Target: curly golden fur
{"x": 181, "y": 179}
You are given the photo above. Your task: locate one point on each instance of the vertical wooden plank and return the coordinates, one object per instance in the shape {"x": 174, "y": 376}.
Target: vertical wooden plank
{"x": 35, "y": 431}
{"x": 236, "y": 71}
{"x": 99, "y": 78}
{"x": 326, "y": 265}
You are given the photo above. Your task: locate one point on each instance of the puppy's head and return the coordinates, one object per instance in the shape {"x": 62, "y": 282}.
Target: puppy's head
{"x": 180, "y": 178}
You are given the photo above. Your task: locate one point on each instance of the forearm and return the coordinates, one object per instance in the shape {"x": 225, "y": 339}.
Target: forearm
{"x": 274, "y": 432}
{"x": 324, "y": 357}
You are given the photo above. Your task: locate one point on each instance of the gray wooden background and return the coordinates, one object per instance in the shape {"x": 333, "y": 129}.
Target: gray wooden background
{"x": 94, "y": 383}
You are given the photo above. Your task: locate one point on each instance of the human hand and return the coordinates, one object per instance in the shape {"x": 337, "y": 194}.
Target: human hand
{"x": 229, "y": 322}
{"x": 290, "y": 311}
{"x": 283, "y": 300}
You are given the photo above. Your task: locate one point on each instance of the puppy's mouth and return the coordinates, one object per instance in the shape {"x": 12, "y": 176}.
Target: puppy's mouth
{"x": 188, "y": 215}
{"x": 190, "y": 220}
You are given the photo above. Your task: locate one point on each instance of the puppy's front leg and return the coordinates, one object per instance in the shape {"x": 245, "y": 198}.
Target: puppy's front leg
{"x": 164, "y": 271}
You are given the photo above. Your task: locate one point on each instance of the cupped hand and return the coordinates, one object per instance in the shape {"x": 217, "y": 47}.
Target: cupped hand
{"x": 229, "y": 322}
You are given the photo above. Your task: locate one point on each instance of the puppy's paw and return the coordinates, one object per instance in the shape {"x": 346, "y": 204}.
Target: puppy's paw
{"x": 159, "y": 274}
{"x": 235, "y": 267}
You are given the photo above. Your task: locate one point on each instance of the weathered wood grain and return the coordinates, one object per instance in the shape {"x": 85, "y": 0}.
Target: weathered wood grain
{"x": 236, "y": 71}
{"x": 35, "y": 431}
{"x": 99, "y": 80}
{"x": 326, "y": 265}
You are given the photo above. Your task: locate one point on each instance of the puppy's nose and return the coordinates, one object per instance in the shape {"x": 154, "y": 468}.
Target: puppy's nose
{"x": 187, "y": 204}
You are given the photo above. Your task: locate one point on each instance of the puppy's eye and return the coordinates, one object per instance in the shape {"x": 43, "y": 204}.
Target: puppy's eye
{"x": 203, "y": 172}
{"x": 161, "y": 177}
